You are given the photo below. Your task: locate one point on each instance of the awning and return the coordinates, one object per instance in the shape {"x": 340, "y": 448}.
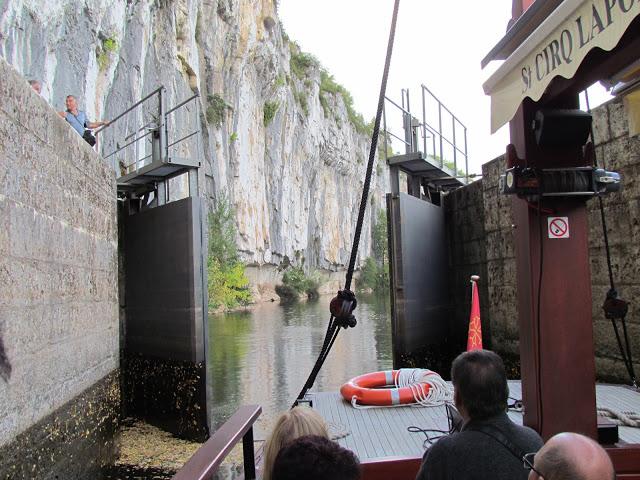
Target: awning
{"x": 556, "y": 48}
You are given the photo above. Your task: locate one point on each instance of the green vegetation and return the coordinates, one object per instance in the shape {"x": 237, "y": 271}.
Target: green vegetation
{"x": 328, "y": 86}
{"x": 325, "y": 105}
{"x": 374, "y": 274}
{"x": 228, "y": 286}
{"x": 300, "y": 61}
{"x": 270, "y": 109}
{"x": 109, "y": 46}
{"x": 216, "y": 107}
{"x": 296, "y": 282}
{"x": 450, "y": 165}
{"x": 301, "y": 99}
{"x": 281, "y": 81}
{"x": 233, "y": 137}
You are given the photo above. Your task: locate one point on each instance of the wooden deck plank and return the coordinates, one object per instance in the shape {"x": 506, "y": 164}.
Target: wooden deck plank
{"x": 376, "y": 433}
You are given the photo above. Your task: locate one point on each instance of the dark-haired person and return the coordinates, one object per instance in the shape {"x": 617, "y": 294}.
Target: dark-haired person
{"x": 571, "y": 456}
{"x": 312, "y": 457}
{"x": 77, "y": 118}
{"x": 489, "y": 445}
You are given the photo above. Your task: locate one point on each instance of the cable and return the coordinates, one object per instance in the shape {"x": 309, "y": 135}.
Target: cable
{"x": 538, "y": 322}
{"x": 428, "y": 441}
{"x": 334, "y": 322}
{"x": 613, "y": 307}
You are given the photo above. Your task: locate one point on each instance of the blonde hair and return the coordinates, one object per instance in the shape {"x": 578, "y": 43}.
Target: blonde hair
{"x": 290, "y": 425}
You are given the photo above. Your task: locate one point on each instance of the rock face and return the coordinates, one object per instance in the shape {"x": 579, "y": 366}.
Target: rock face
{"x": 294, "y": 176}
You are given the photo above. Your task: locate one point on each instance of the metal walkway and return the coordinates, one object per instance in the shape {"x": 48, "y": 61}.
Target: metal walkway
{"x": 148, "y": 144}
{"x": 435, "y": 145}
{"x": 382, "y": 432}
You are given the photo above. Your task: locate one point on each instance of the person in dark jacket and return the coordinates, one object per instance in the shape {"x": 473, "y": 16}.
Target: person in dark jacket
{"x": 489, "y": 444}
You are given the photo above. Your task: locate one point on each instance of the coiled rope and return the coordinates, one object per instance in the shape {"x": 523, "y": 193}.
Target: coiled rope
{"x": 439, "y": 393}
{"x": 625, "y": 419}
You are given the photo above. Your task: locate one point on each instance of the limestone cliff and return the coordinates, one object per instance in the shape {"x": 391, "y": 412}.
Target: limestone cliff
{"x": 294, "y": 175}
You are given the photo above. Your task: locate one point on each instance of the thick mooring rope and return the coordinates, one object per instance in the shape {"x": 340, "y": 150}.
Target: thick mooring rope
{"x": 334, "y": 326}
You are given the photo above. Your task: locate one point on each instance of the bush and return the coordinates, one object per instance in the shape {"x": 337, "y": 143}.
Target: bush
{"x": 216, "y": 107}
{"x": 109, "y": 46}
{"x": 374, "y": 274}
{"x": 270, "y": 109}
{"x": 328, "y": 86}
{"x": 227, "y": 284}
{"x": 301, "y": 99}
{"x": 296, "y": 282}
{"x": 281, "y": 81}
{"x": 300, "y": 62}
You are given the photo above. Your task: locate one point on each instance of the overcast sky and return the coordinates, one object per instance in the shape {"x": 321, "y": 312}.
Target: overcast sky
{"x": 438, "y": 44}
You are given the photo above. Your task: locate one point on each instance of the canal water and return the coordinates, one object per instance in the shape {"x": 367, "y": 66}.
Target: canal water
{"x": 264, "y": 355}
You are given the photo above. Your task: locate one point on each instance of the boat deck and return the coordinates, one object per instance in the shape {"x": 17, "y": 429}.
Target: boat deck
{"x": 382, "y": 432}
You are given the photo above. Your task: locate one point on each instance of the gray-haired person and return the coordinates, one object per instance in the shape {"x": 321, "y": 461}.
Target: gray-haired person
{"x": 78, "y": 118}
{"x": 489, "y": 444}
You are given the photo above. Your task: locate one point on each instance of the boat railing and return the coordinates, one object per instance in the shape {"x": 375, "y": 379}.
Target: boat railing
{"x": 207, "y": 459}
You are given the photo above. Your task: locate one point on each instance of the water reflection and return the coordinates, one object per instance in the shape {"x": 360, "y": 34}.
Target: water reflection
{"x": 264, "y": 356}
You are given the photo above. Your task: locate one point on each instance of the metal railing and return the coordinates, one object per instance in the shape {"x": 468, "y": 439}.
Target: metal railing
{"x": 439, "y": 131}
{"x": 140, "y": 135}
{"x": 204, "y": 463}
{"x": 441, "y": 145}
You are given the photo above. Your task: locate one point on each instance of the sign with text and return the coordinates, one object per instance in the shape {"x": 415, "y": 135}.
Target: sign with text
{"x": 556, "y": 48}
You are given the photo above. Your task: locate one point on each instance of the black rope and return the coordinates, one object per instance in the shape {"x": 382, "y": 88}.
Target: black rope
{"x": 614, "y": 307}
{"x": 343, "y": 305}
{"x": 538, "y": 322}
{"x": 372, "y": 151}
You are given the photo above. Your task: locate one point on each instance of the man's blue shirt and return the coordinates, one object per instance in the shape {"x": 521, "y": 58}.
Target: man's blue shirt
{"x": 77, "y": 121}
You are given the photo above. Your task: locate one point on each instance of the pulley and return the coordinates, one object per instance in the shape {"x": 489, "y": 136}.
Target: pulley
{"x": 532, "y": 183}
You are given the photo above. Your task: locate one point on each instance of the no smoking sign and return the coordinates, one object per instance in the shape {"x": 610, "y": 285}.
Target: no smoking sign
{"x": 558, "y": 227}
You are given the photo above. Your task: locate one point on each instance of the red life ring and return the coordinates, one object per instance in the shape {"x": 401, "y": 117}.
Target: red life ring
{"x": 368, "y": 389}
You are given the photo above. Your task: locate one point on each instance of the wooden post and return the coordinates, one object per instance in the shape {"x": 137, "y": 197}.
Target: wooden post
{"x": 556, "y": 344}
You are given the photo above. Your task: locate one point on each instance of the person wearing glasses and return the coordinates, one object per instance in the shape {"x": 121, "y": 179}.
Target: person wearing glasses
{"x": 570, "y": 456}
{"x": 489, "y": 444}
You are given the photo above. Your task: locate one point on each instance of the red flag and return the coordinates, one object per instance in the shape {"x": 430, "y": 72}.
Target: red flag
{"x": 474, "y": 340}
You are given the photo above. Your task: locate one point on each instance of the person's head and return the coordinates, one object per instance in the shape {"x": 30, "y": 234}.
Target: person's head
{"x": 571, "y": 456}
{"x": 36, "y": 85}
{"x": 290, "y": 425}
{"x": 313, "y": 457}
{"x": 480, "y": 384}
{"x": 71, "y": 102}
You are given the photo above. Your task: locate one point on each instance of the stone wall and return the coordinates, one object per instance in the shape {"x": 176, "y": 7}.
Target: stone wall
{"x": 59, "y": 331}
{"x": 617, "y": 151}
{"x": 465, "y": 219}
{"x": 481, "y": 239}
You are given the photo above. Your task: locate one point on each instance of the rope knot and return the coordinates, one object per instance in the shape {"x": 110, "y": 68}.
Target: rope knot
{"x": 613, "y": 306}
{"x": 342, "y": 307}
